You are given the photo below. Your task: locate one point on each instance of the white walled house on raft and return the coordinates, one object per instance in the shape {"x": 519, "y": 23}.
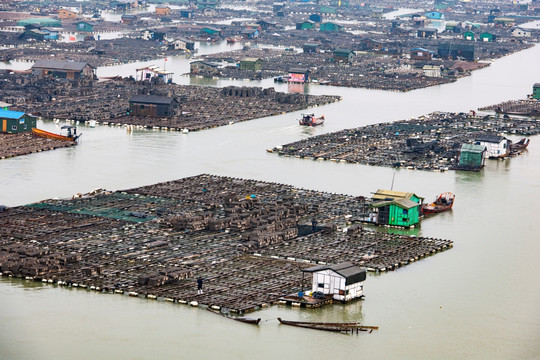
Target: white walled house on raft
{"x": 344, "y": 281}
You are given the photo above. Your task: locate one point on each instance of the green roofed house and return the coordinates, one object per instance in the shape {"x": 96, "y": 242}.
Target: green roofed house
{"x": 472, "y": 157}
{"x": 468, "y": 35}
{"x": 14, "y": 122}
{"x": 85, "y": 26}
{"x": 327, "y": 10}
{"x": 343, "y": 55}
{"x": 330, "y": 26}
{"x": 311, "y": 47}
{"x": 384, "y": 195}
{"x": 251, "y": 64}
{"x": 487, "y": 37}
{"x": 305, "y": 25}
{"x": 396, "y": 208}
{"x": 210, "y": 31}
{"x": 398, "y": 212}
{"x": 40, "y": 21}
{"x": 536, "y": 91}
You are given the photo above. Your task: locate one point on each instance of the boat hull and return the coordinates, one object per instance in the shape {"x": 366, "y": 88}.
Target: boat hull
{"x": 243, "y": 319}
{"x": 444, "y": 202}
{"x": 50, "y": 135}
{"x": 312, "y": 121}
{"x": 336, "y": 327}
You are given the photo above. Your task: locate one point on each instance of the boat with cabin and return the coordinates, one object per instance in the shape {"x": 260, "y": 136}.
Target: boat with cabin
{"x": 311, "y": 120}
{"x": 70, "y": 136}
{"x": 444, "y": 202}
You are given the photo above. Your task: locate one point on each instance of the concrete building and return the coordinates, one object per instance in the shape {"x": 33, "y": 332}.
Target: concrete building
{"x": 519, "y": 32}
{"x": 65, "y": 14}
{"x": 432, "y": 70}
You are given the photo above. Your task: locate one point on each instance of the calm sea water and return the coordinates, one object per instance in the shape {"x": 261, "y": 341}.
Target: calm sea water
{"x": 479, "y": 300}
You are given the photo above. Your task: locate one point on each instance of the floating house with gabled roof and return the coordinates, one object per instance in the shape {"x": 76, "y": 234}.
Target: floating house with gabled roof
{"x": 496, "y": 146}
{"x": 14, "y": 122}
{"x": 345, "y": 281}
{"x": 396, "y": 208}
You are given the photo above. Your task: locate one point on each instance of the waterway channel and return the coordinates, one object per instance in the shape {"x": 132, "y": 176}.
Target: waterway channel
{"x": 476, "y": 301}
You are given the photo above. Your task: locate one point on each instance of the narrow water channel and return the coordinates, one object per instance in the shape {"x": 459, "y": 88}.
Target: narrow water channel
{"x": 476, "y": 301}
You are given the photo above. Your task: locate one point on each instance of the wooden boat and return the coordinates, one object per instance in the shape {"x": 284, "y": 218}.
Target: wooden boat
{"x": 337, "y": 327}
{"x": 231, "y": 40}
{"x": 49, "y": 135}
{"x": 243, "y": 319}
{"x": 311, "y": 120}
{"x": 444, "y": 202}
{"x": 516, "y": 148}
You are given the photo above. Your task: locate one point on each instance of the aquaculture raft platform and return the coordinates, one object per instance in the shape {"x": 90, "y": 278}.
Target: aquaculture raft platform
{"x": 430, "y": 142}
{"x": 25, "y": 143}
{"x": 305, "y": 301}
{"x": 245, "y": 238}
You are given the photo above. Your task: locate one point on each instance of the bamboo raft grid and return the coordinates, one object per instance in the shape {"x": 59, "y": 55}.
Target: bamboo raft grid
{"x": 440, "y": 136}
{"x": 25, "y": 143}
{"x": 107, "y": 102}
{"x": 95, "y": 242}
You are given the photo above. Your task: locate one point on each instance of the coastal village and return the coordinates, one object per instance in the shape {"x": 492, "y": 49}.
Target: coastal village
{"x": 252, "y": 243}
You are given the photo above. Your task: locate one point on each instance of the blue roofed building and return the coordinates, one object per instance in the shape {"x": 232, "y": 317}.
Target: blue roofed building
{"x": 14, "y": 122}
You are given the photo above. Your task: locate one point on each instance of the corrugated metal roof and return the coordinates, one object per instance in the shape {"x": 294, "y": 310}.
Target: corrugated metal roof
{"x": 151, "y": 99}
{"x": 349, "y": 271}
{"x": 473, "y": 148}
{"x": 489, "y": 138}
{"x": 60, "y": 65}
{"x": 342, "y": 51}
{"x": 389, "y": 194}
{"x": 403, "y": 203}
{"x": 9, "y": 114}
{"x": 4, "y": 104}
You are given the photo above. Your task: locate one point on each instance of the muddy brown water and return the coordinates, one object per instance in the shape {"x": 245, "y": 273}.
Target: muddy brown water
{"x": 478, "y": 300}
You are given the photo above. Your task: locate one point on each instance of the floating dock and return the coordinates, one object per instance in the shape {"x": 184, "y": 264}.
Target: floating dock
{"x": 248, "y": 240}
{"x": 429, "y": 142}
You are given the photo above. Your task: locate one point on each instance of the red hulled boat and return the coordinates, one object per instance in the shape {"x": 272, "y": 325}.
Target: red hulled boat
{"x": 311, "y": 120}
{"x": 444, "y": 202}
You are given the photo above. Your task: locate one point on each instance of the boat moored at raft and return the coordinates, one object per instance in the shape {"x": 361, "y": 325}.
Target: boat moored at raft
{"x": 519, "y": 147}
{"x": 311, "y": 120}
{"x": 243, "y": 319}
{"x": 71, "y": 134}
{"x": 444, "y": 202}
